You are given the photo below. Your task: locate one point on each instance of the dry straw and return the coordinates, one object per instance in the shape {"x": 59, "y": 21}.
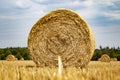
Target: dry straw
{"x": 22, "y": 59}
{"x": 104, "y": 58}
{"x": 113, "y": 59}
{"x": 11, "y": 58}
{"x": 61, "y": 33}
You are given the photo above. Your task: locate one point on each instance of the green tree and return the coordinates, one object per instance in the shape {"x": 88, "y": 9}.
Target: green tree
{"x": 8, "y": 52}
{"x": 97, "y": 54}
{"x": 18, "y": 55}
{"x": 2, "y": 57}
{"x": 27, "y": 56}
{"x": 1, "y": 51}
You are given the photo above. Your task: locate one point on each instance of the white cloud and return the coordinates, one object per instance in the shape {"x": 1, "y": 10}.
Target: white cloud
{"x": 115, "y": 15}
{"x": 22, "y": 9}
{"x": 87, "y": 13}
{"x": 106, "y": 2}
{"x": 27, "y": 12}
{"x": 88, "y": 3}
{"x": 23, "y": 4}
{"x": 73, "y": 3}
{"x": 39, "y": 1}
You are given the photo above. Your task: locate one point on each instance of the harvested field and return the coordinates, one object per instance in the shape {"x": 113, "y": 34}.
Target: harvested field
{"x": 94, "y": 71}
{"x": 17, "y": 63}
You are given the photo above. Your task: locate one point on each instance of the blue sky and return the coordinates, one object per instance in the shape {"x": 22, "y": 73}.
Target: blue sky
{"x": 18, "y": 16}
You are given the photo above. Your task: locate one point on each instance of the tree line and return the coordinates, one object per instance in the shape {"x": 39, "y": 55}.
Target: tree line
{"x": 22, "y": 52}
{"x": 112, "y": 52}
{"x": 18, "y": 52}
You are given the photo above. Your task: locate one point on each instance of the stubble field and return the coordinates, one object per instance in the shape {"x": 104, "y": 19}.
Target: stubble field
{"x": 27, "y": 70}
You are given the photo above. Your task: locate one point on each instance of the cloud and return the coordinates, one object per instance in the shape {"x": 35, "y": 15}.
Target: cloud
{"x": 46, "y": 2}
{"x": 113, "y": 15}
{"x": 109, "y": 9}
{"x": 83, "y": 7}
{"x": 20, "y": 9}
{"x": 18, "y": 16}
{"x": 22, "y": 4}
{"x": 34, "y": 8}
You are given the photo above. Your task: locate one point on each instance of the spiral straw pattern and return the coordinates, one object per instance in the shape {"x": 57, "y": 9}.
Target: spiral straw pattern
{"x": 62, "y": 33}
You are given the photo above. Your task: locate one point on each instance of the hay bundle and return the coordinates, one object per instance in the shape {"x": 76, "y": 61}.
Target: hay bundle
{"x": 99, "y": 59}
{"x": 61, "y": 33}
{"x": 16, "y": 58}
{"x": 104, "y": 58}
{"x": 10, "y": 58}
{"x": 22, "y": 59}
{"x": 113, "y": 59}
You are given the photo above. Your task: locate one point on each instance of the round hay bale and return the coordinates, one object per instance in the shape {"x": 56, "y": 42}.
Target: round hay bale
{"x": 113, "y": 59}
{"x": 99, "y": 59}
{"x": 22, "y": 59}
{"x": 61, "y": 33}
{"x": 10, "y": 58}
{"x": 16, "y": 58}
{"x": 105, "y": 58}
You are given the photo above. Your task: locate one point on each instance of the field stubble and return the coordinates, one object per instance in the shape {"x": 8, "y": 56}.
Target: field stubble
{"x": 26, "y": 70}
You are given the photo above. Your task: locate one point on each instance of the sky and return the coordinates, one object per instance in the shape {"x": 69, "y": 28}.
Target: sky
{"x": 18, "y": 16}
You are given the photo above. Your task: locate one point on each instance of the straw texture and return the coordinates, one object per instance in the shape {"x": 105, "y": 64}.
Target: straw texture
{"x": 113, "y": 59}
{"x": 11, "y": 58}
{"x": 61, "y": 33}
{"x": 22, "y": 59}
{"x": 104, "y": 58}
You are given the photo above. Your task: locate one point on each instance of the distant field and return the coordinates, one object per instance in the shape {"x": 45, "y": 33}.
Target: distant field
{"x": 17, "y": 63}
{"x": 26, "y": 70}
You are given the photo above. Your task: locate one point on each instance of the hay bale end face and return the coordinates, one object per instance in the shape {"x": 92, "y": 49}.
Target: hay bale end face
{"x": 104, "y": 58}
{"x": 11, "y": 58}
{"x": 61, "y": 33}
